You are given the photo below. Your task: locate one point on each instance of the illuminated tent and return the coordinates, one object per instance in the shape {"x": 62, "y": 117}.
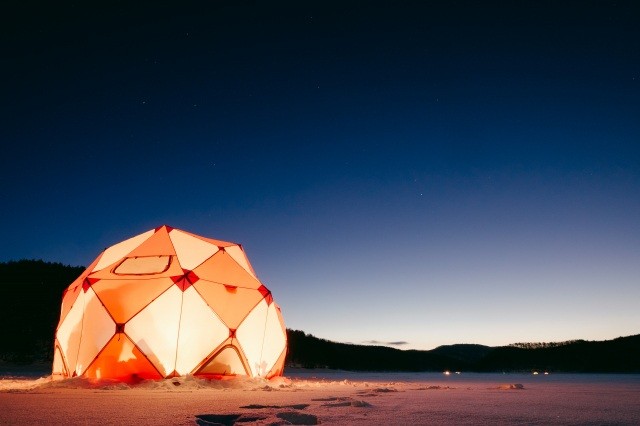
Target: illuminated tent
{"x": 169, "y": 303}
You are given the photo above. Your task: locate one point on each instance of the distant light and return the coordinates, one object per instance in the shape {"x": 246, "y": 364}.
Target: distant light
{"x": 546, "y": 373}
{"x": 447, "y": 372}
{"x": 457, "y": 372}
{"x": 535, "y": 373}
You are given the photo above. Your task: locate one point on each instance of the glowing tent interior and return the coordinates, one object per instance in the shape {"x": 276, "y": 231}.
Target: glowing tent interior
{"x": 169, "y": 303}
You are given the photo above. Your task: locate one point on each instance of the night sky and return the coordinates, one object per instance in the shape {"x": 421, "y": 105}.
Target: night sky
{"x": 423, "y": 172}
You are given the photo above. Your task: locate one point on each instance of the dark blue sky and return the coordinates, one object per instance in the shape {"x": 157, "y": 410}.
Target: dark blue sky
{"x": 428, "y": 172}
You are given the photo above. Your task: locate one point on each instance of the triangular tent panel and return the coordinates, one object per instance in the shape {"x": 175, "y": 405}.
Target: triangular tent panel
{"x": 166, "y": 303}
{"x": 122, "y": 360}
{"x": 232, "y": 304}
{"x": 191, "y": 250}
{"x": 223, "y": 269}
{"x": 156, "y": 245}
{"x": 125, "y": 298}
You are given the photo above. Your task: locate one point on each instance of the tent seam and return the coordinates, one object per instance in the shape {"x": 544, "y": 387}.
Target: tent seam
{"x": 84, "y": 306}
{"x": 264, "y": 333}
{"x": 253, "y": 274}
{"x": 175, "y": 361}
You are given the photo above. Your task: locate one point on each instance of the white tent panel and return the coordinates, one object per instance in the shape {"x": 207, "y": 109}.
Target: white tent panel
{"x": 275, "y": 339}
{"x": 250, "y": 335}
{"x": 97, "y": 329}
{"x": 191, "y": 251}
{"x": 70, "y": 332}
{"x": 155, "y": 330}
{"x": 201, "y": 331}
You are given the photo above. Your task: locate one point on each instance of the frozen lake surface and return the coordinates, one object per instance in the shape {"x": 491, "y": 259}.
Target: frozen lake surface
{"x": 330, "y": 397}
{"x": 463, "y": 377}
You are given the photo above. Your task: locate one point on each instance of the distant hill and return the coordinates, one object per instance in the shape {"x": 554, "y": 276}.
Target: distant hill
{"x": 308, "y": 351}
{"x": 32, "y": 292}
{"x": 467, "y": 353}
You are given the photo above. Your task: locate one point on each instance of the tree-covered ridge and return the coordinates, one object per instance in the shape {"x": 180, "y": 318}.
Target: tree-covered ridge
{"x": 541, "y": 345}
{"x": 620, "y": 355}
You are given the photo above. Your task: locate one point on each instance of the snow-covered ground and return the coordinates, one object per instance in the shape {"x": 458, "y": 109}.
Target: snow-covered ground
{"x": 329, "y": 397}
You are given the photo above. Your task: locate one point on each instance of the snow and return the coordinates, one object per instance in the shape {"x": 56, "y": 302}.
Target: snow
{"x": 329, "y": 397}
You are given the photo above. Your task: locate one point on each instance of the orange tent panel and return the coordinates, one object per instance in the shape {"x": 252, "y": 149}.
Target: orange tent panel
{"x": 223, "y": 269}
{"x": 122, "y": 360}
{"x": 158, "y": 244}
{"x": 232, "y": 304}
{"x": 125, "y": 298}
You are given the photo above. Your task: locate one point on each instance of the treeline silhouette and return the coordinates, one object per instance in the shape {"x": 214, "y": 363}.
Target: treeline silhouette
{"x": 32, "y": 293}
{"x": 621, "y": 355}
{"x": 540, "y": 345}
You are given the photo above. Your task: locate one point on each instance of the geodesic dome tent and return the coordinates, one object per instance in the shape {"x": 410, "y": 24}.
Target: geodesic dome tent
{"x": 169, "y": 303}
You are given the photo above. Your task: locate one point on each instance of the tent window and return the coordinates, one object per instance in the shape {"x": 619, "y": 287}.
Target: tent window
{"x": 144, "y": 265}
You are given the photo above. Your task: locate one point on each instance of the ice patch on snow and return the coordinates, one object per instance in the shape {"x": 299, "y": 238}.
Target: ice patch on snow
{"x": 513, "y": 386}
{"x": 296, "y": 418}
